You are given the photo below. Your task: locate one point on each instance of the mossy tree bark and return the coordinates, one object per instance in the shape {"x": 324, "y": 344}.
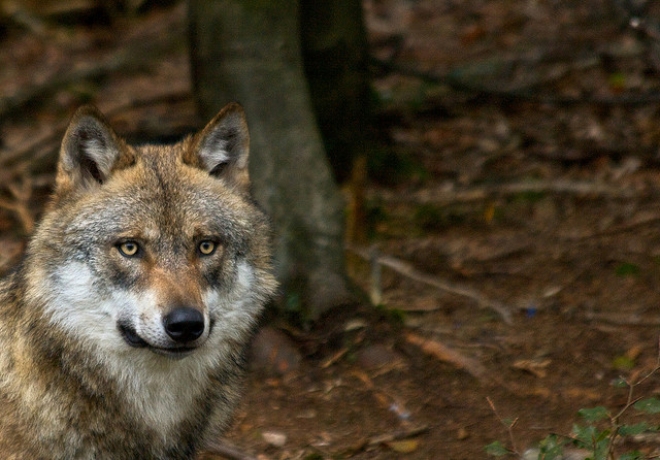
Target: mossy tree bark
{"x": 249, "y": 51}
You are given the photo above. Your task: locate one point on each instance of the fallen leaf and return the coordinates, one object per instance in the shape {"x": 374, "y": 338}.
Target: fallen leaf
{"x": 582, "y": 393}
{"x": 634, "y": 352}
{"x": 462, "y": 434}
{"x": 274, "y": 438}
{"x": 444, "y": 353}
{"x": 536, "y": 367}
{"x": 404, "y": 447}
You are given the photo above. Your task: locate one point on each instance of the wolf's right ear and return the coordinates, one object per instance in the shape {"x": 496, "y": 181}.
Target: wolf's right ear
{"x": 222, "y": 147}
{"x": 90, "y": 150}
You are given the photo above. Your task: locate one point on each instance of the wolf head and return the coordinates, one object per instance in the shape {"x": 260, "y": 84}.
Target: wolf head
{"x": 154, "y": 249}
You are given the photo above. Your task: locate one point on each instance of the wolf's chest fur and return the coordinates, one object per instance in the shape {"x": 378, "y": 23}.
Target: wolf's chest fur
{"x": 123, "y": 328}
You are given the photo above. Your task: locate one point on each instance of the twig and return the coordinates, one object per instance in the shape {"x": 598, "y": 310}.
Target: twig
{"x": 627, "y": 227}
{"x": 221, "y": 447}
{"x": 586, "y": 189}
{"x": 374, "y": 441}
{"x": 623, "y": 319}
{"x": 334, "y": 358}
{"x": 376, "y": 291}
{"x": 509, "y": 426}
{"x": 397, "y": 435}
{"x": 523, "y": 95}
{"x": 405, "y": 269}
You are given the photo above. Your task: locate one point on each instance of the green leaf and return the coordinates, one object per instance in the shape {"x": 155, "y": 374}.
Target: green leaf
{"x": 627, "y": 269}
{"x": 552, "y": 447}
{"x": 634, "y": 455}
{"x": 584, "y": 435}
{"x": 620, "y": 382}
{"x": 632, "y": 430}
{"x": 617, "y": 81}
{"x": 588, "y": 437}
{"x": 594, "y": 414}
{"x": 623, "y": 363}
{"x": 648, "y": 405}
{"x": 602, "y": 436}
{"x": 496, "y": 449}
{"x": 508, "y": 422}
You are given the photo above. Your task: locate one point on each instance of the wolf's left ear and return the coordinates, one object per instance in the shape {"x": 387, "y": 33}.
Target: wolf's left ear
{"x": 223, "y": 146}
{"x": 90, "y": 151}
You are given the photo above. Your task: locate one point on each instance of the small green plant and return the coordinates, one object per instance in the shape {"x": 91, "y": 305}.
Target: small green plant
{"x": 431, "y": 217}
{"x": 599, "y": 431}
{"x": 390, "y": 167}
{"x": 394, "y": 316}
{"x": 529, "y": 196}
{"x": 627, "y": 269}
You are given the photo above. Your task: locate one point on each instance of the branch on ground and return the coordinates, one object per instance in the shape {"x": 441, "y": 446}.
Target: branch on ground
{"x": 446, "y": 354}
{"x": 226, "y": 450}
{"x": 442, "y": 196}
{"x": 407, "y": 270}
{"x": 528, "y": 92}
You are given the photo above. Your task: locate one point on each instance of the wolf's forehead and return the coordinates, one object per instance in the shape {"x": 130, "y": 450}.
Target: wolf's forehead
{"x": 160, "y": 172}
{"x": 160, "y": 163}
{"x": 164, "y": 206}
{"x": 163, "y": 193}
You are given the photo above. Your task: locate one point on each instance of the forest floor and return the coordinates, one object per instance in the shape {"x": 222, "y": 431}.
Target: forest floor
{"x": 513, "y": 210}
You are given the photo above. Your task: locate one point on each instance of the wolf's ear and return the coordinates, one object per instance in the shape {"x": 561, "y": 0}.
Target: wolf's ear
{"x": 222, "y": 147}
{"x": 90, "y": 150}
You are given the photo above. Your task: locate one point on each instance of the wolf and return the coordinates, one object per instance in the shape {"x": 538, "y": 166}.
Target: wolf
{"x": 122, "y": 329}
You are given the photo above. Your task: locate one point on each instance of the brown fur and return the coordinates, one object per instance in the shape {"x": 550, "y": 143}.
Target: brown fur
{"x": 72, "y": 384}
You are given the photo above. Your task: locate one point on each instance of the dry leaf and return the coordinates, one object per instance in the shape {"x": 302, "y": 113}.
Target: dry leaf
{"x": 404, "y": 447}
{"x": 444, "y": 353}
{"x": 533, "y": 366}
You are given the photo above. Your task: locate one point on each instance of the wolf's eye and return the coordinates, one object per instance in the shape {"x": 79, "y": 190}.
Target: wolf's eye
{"x": 206, "y": 248}
{"x": 128, "y": 248}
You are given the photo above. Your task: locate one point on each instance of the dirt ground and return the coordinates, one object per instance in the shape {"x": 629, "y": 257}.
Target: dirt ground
{"x": 512, "y": 202}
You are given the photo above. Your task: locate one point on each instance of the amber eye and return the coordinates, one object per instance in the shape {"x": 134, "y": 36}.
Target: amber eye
{"x": 206, "y": 248}
{"x": 128, "y": 248}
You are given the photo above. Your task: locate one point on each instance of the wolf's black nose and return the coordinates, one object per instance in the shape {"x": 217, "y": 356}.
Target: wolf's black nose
{"x": 184, "y": 324}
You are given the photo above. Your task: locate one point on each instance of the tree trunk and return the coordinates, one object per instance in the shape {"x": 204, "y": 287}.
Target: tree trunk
{"x": 335, "y": 52}
{"x": 335, "y": 56}
{"x": 249, "y": 51}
